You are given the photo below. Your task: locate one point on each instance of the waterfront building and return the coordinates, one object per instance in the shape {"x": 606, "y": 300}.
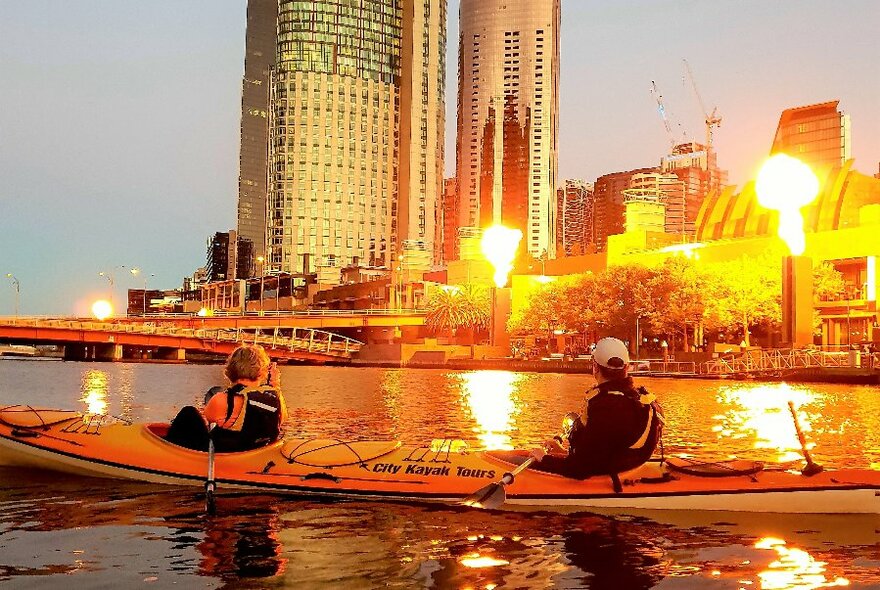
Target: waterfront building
{"x": 608, "y": 204}
{"x": 508, "y": 105}
{"x": 818, "y": 135}
{"x": 220, "y": 263}
{"x": 356, "y": 133}
{"x": 574, "y": 222}
{"x": 260, "y": 40}
{"x": 696, "y": 168}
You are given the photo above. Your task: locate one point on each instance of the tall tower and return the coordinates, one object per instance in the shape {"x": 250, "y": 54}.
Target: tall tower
{"x": 818, "y": 135}
{"x": 356, "y": 132}
{"x": 508, "y": 104}
{"x": 697, "y": 169}
{"x": 575, "y": 218}
{"x": 262, "y": 16}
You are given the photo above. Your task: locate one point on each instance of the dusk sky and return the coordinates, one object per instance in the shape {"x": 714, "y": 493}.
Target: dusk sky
{"x": 119, "y": 121}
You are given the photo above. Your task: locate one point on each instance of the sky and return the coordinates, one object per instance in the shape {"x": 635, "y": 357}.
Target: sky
{"x": 119, "y": 120}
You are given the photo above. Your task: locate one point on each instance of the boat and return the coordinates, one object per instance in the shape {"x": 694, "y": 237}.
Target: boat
{"x": 443, "y": 470}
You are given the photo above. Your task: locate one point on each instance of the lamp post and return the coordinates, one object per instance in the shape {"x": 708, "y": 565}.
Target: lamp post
{"x": 17, "y": 284}
{"x": 109, "y": 276}
{"x": 261, "y": 260}
{"x": 135, "y": 272}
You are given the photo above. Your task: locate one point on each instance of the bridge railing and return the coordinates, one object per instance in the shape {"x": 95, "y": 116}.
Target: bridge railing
{"x": 768, "y": 361}
{"x": 301, "y": 339}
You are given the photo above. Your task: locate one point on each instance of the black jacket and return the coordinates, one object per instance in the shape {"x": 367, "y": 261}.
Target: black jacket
{"x": 622, "y": 428}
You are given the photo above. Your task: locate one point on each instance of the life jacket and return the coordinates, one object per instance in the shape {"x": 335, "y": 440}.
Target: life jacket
{"x": 642, "y": 447}
{"x": 258, "y": 424}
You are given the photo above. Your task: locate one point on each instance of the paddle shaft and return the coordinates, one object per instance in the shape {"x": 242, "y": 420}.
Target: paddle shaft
{"x": 210, "y": 484}
{"x": 800, "y": 434}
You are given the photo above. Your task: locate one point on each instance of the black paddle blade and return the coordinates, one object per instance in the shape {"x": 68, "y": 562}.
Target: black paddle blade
{"x": 489, "y": 497}
{"x": 811, "y": 469}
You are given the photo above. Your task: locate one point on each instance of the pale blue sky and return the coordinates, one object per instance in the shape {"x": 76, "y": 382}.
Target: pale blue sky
{"x": 119, "y": 119}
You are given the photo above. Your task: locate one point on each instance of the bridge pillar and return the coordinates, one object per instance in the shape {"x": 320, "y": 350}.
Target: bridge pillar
{"x": 171, "y": 354}
{"x": 108, "y": 352}
{"x": 76, "y": 352}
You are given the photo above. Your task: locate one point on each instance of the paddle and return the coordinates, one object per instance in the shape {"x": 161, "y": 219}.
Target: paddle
{"x": 811, "y": 468}
{"x": 493, "y": 495}
{"x": 210, "y": 484}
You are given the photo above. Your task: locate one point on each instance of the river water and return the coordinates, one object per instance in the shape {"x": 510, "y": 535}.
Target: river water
{"x": 56, "y": 532}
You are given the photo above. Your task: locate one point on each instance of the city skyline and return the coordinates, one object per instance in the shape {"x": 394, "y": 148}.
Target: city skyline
{"x": 119, "y": 130}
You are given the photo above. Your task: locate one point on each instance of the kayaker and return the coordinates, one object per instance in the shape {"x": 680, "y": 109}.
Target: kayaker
{"x": 620, "y": 428}
{"x": 248, "y": 415}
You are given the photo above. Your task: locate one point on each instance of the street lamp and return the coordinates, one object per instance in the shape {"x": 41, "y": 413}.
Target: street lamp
{"x": 17, "y": 284}
{"x": 137, "y": 271}
{"x": 261, "y": 260}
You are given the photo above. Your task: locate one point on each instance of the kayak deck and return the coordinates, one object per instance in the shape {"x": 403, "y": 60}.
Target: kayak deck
{"x": 101, "y": 446}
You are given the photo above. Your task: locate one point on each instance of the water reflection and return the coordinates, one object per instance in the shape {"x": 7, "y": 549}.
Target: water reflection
{"x": 760, "y": 413}
{"x": 94, "y": 391}
{"x": 489, "y": 396}
{"x": 794, "y": 569}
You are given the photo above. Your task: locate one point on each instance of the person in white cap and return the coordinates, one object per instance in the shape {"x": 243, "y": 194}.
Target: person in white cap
{"x": 619, "y": 430}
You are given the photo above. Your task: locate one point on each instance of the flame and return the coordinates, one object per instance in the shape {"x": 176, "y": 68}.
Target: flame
{"x": 499, "y": 247}
{"x": 786, "y": 184}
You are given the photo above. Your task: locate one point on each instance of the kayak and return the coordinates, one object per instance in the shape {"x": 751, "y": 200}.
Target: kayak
{"x": 443, "y": 470}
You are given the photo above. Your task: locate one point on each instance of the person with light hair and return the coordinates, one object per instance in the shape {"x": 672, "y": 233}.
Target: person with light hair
{"x": 245, "y": 416}
{"x": 619, "y": 430}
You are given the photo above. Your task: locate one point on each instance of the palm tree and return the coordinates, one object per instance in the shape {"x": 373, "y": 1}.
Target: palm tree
{"x": 462, "y": 306}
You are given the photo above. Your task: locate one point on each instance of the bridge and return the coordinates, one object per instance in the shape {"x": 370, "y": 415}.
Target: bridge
{"x": 779, "y": 361}
{"x": 117, "y": 340}
{"x": 329, "y": 319}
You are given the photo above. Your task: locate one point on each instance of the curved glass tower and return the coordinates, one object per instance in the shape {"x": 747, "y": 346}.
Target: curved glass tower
{"x": 508, "y": 104}
{"x": 340, "y": 126}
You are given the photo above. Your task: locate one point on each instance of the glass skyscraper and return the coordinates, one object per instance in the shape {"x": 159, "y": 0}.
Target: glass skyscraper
{"x": 508, "y": 105}
{"x": 356, "y": 131}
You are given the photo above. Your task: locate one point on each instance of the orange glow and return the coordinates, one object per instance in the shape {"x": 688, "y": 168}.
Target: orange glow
{"x": 786, "y": 184}
{"x": 794, "y": 568}
{"x": 94, "y": 391}
{"x": 499, "y": 246}
{"x": 102, "y": 309}
{"x": 489, "y": 396}
{"x": 477, "y": 561}
{"x": 762, "y": 411}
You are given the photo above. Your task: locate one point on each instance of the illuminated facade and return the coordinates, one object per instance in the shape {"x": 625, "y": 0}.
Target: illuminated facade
{"x": 508, "y": 104}
{"x": 818, "y": 135}
{"x": 448, "y": 222}
{"x": 608, "y": 204}
{"x": 356, "y": 133}
{"x": 697, "y": 170}
{"x": 262, "y": 16}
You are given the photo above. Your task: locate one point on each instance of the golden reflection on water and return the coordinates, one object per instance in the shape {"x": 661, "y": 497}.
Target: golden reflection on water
{"x": 794, "y": 569}
{"x": 94, "y": 391}
{"x": 761, "y": 412}
{"x": 490, "y": 399}
{"x": 477, "y": 561}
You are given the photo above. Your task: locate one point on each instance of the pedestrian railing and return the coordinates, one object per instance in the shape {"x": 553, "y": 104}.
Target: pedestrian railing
{"x": 775, "y": 360}
{"x": 300, "y": 339}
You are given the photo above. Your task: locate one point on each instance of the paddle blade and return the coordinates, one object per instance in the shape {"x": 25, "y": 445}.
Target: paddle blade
{"x": 489, "y": 497}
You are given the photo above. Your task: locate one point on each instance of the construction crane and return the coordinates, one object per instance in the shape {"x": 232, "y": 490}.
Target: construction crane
{"x": 662, "y": 110}
{"x": 712, "y": 119}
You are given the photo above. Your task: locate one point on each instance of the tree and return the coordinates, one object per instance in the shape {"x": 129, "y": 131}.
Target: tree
{"x": 463, "y": 306}
{"x": 619, "y": 298}
{"x": 677, "y": 295}
{"x": 747, "y": 292}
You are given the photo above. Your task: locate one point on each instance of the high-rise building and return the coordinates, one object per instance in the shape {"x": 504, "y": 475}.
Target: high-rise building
{"x": 508, "y": 104}
{"x": 221, "y": 257}
{"x": 262, "y": 16}
{"x": 575, "y": 218}
{"x": 449, "y": 222}
{"x": 818, "y": 135}
{"x": 356, "y": 132}
{"x": 608, "y": 204}
{"x": 696, "y": 168}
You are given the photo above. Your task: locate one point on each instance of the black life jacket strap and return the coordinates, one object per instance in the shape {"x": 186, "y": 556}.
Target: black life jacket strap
{"x": 230, "y": 399}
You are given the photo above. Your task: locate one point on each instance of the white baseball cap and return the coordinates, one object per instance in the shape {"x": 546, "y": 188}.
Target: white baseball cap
{"x": 611, "y": 353}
